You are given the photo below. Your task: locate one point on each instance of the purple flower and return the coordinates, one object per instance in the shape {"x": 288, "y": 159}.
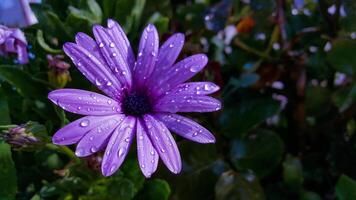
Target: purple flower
{"x": 17, "y": 13}
{"x": 143, "y": 95}
{"x": 12, "y": 40}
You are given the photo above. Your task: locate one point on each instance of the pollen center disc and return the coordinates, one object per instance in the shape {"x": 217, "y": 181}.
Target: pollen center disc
{"x": 136, "y": 104}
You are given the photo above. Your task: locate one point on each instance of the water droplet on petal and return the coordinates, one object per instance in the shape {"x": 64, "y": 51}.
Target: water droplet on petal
{"x": 140, "y": 54}
{"x": 142, "y": 166}
{"x": 171, "y": 45}
{"x": 113, "y": 54}
{"x": 127, "y": 140}
{"x": 152, "y": 153}
{"x": 101, "y": 45}
{"x": 93, "y": 149}
{"x": 109, "y": 83}
{"x": 79, "y": 108}
{"x": 84, "y": 123}
{"x": 97, "y": 82}
{"x": 79, "y": 152}
{"x": 112, "y": 168}
{"x": 163, "y": 151}
{"x": 195, "y": 134}
{"x": 111, "y": 45}
{"x": 91, "y": 138}
{"x": 121, "y": 151}
{"x": 194, "y": 68}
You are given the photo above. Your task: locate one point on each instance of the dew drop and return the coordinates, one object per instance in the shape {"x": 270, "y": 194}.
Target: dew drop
{"x": 84, "y": 123}
{"x": 123, "y": 73}
{"x": 142, "y": 166}
{"x": 101, "y": 45}
{"x": 93, "y": 149}
{"x": 171, "y": 45}
{"x": 111, "y": 45}
{"x": 112, "y": 168}
{"x": 121, "y": 151}
{"x": 195, "y": 134}
{"x": 79, "y": 152}
{"x": 109, "y": 83}
{"x": 114, "y": 54}
{"x": 152, "y": 161}
{"x": 153, "y": 54}
{"x": 140, "y": 137}
{"x": 127, "y": 140}
{"x": 163, "y": 151}
{"x": 194, "y": 68}
{"x": 91, "y": 138}
{"x": 152, "y": 153}
{"x": 79, "y": 108}
{"x": 140, "y": 54}
{"x": 97, "y": 82}
{"x": 109, "y": 102}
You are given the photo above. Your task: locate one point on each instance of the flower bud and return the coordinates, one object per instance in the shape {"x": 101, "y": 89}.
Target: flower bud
{"x": 58, "y": 74}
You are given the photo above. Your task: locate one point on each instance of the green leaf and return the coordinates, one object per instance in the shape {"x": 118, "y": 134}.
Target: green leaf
{"x": 160, "y": 22}
{"x": 41, "y": 41}
{"x": 4, "y": 109}
{"x": 8, "y": 184}
{"x": 22, "y": 81}
{"x": 342, "y": 56}
{"x": 232, "y": 185}
{"x": 262, "y": 151}
{"x": 345, "y": 188}
{"x": 156, "y": 189}
{"x": 239, "y": 119}
{"x": 293, "y": 173}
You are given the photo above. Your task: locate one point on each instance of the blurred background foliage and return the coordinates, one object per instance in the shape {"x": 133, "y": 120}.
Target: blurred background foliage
{"x": 286, "y": 69}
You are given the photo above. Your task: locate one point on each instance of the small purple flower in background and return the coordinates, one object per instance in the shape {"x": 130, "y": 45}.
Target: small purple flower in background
{"x": 22, "y": 136}
{"x": 58, "y": 74}
{"x": 143, "y": 95}
{"x": 12, "y": 40}
{"x": 17, "y": 13}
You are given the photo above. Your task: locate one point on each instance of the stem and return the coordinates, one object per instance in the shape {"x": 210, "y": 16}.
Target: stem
{"x": 249, "y": 49}
{"x": 64, "y": 150}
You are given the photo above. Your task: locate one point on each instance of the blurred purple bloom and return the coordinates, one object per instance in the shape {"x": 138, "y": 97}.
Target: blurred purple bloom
{"x": 143, "y": 95}
{"x": 21, "y": 136}
{"x": 17, "y": 13}
{"x": 12, "y": 40}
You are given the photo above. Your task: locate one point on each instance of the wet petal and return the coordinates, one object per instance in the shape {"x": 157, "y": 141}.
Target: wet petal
{"x": 112, "y": 52}
{"x": 94, "y": 70}
{"x": 187, "y": 103}
{"x": 84, "y": 102}
{"x": 97, "y": 138}
{"x": 120, "y": 38}
{"x": 193, "y": 88}
{"x": 147, "y": 155}
{"x": 118, "y": 146}
{"x": 74, "y": 131}
{"x": 186, "y": 128}
{"x": 179, "y": 73}
{"x": 167, "y": 55}
{"x": 90, "y": 45}
{"x": 147, "y": 55}
{"x": 164, "y": 143}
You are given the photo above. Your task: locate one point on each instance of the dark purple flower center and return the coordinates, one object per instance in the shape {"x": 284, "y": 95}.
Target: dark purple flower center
{"x": 136, "y": 104}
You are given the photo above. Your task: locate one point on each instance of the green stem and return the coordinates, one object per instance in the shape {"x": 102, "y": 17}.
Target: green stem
{"x": 249, "y": 49}
{"x": 65, "y": 150}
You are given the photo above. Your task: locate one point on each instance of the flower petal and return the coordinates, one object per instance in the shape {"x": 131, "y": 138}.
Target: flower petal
{"x": 167, "y": 55}
{"x": 187, "y": 103}
{"x": 118, "y": 146}
{"x": 84, "y": 102}
{"x": 179, "y": 73}
{"x": 193, "y": 88}
{"x": 112, "y": 52}
{"x": 147, "y": 154}
{"x": 186, "y": 128}
{"x": 147, "y": 56}
{"x": 94, "y": 70}
{"x": 90, "y": 45}
{"x": 97, "y": 138}
{"x": 164, "y": 143}
{"x": 120, "y": 38}
{"x": 74, "y": 131}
